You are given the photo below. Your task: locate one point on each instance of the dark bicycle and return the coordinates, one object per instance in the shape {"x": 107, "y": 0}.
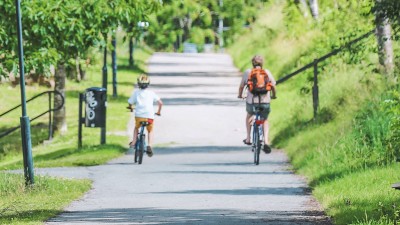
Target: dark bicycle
{"x": 141, "y": 144}
{"x": 258, "y": 134}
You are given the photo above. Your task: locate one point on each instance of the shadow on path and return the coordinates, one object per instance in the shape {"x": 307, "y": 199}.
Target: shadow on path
{"x": 228, "y": 172}
{"x": 184, "y": 216}
{"x": 247, "y": 191}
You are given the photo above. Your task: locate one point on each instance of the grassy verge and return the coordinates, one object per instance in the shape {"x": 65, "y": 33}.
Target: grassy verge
{"x": 48, "y": 197}
{"x": 346, "y": 152}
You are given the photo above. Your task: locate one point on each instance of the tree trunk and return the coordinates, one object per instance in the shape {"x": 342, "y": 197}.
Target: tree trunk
{"x": 59, "y": 116}
{"x": 385, "y": 48}
{"x": 78, "y": 72}
{"x": 303, "y": 7}
{"x": 314, "y": 8}
{"x": 82, "y": 71}
{"x": 131, "y": 51}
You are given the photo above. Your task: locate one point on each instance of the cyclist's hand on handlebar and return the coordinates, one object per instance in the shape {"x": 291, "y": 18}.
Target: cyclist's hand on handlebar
{"x": 130, "y": 108}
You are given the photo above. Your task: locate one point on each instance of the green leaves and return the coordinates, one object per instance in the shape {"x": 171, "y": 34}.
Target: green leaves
{"x": 197, "y": 21}
{"x": 58, "y": 29}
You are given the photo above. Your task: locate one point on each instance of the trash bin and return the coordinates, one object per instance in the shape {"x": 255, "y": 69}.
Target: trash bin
{"x": 95, "y": 109}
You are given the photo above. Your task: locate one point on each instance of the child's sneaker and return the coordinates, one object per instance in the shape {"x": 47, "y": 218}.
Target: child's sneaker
{"x": 149, "y": 151}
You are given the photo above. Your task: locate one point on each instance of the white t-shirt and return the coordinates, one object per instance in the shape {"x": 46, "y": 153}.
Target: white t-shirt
{"x": 143, "y": 99}
{"x": 264, "y": 98}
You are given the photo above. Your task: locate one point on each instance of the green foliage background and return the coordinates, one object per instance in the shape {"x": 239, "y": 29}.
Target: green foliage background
{"x": 349, "y": 152}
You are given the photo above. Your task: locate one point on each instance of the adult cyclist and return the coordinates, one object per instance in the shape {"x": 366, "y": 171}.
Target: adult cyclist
{"x": 263, "y": 102}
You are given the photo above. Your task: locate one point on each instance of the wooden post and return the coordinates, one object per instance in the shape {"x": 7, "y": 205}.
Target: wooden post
{"x": 80, "y": 118}
{"x": 315, "y": 89}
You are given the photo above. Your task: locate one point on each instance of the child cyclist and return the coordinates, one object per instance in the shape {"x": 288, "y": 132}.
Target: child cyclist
{"x": 143, "y": 99}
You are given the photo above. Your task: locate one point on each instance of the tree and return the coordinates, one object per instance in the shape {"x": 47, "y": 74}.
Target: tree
{"x": 302, "y": 6}
{"x": 69, "y": 27}
{"x": 384, "y": 38}
{"x": 37, "y": 58}
{"x": 314, "y": 8}
{"x": 197, "y": 21}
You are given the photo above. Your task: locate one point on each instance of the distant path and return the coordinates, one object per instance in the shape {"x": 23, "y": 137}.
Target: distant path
{"x": 200, "y": 173}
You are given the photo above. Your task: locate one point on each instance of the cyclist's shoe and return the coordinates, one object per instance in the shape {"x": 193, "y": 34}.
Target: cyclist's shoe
{"x": 149, "y": 151}
{"x": 267, "y": 149}
{"x": 246, "y": 143}
{"x": 131, "y": 144}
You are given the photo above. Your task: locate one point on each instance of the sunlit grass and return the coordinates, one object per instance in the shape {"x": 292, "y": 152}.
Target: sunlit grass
{"x": 20, "y": 204}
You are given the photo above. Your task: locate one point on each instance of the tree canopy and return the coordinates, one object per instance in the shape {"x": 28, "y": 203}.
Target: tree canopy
{"x": 56, "y": 30}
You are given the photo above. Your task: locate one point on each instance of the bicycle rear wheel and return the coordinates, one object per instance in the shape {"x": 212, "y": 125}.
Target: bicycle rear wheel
{"x": 256, "y": 145}
{"x": 141, "y": 149}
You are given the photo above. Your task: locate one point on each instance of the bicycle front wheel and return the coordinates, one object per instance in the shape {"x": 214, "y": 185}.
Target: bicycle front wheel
{"x": 256, "y": 145}
{"x": 136, "y": 155}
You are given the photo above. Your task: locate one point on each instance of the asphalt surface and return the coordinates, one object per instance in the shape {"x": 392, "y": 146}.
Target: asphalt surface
{"x": 201, "y": 173}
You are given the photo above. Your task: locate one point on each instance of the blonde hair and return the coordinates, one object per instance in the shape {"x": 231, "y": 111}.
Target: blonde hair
{"x": 257, "y": 61}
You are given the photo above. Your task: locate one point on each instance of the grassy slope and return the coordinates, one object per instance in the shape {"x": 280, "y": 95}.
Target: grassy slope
{"x": 322, "y": 150}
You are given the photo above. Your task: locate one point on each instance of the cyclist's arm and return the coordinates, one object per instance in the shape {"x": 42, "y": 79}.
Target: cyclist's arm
{"x": 243, "y": 83}
{"x": 241, "y": 88}
{"x": 160, "y": 103}
{"x": 273, "y": 85}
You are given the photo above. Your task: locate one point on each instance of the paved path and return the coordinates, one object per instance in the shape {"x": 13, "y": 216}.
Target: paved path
{"x": 200, "y": 173}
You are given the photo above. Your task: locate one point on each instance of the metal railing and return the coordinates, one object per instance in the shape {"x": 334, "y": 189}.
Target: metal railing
{"x": 314, "y": 65}
{"x": 49, "y": 93}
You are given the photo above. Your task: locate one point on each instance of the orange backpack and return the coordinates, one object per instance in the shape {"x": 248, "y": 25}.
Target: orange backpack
{"x": 258, "y": 82}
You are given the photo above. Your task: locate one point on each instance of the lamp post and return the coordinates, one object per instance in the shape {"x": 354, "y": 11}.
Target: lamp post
{"x": 221, "y": 28}
{"x": 114, "y": 63}
{"x": 24, "y": 120}
{"x": 142, "y": 25}
{"x": 104, "y": 72}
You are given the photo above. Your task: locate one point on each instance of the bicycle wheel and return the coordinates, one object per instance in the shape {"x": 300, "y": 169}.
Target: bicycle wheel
{"x": 141, "y": 149}
{"x": 256, "y": 145}
{"x": 136, "y": 154}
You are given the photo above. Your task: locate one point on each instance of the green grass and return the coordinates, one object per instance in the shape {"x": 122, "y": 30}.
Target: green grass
{"x": 22, "y": 205}
{"x": 33, "y": 205}
{"x": 369, "y": 197}
{"x": 62, "y": 150}
{"x": 345, "y": 152}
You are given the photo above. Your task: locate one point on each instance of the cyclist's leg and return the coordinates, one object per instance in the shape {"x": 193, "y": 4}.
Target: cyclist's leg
{"x": 149, "y": 134}
{"x": 266, "y": 132}
{"x": 149, "y": 139}
{"x": 264, "y": 115}
{"x": 249, "y": 119}
{"x": 135, "y": 131}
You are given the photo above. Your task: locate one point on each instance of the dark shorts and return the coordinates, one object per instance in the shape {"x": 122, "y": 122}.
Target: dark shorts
{"x": 266, "y": 109}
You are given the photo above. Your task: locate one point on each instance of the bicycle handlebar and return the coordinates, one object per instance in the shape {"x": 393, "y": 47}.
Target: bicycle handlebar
{"x": 131, "y": 109}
